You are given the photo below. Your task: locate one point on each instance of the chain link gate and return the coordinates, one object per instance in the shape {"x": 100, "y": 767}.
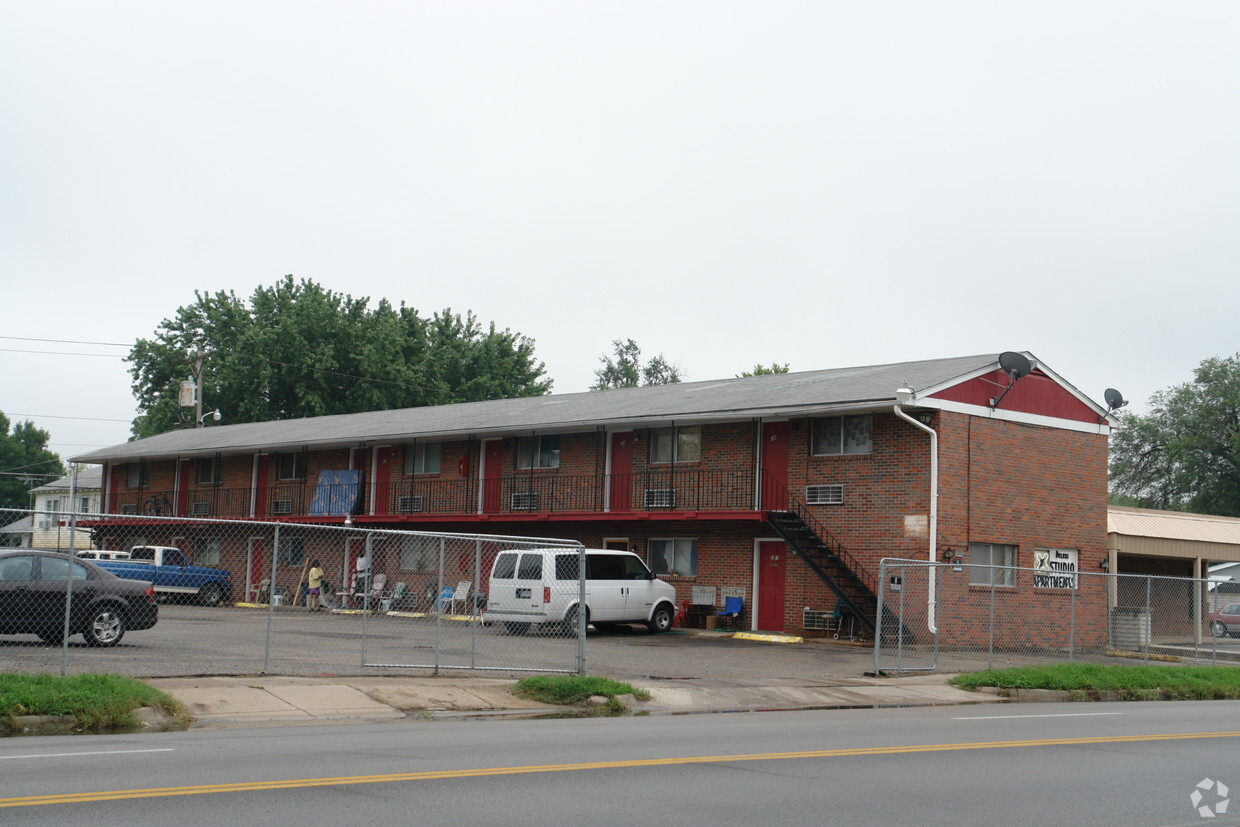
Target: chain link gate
{"x": 234, "y": 598}
{"x": 957, "y": 617}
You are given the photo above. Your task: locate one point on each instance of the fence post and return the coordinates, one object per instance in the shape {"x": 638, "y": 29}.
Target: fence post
{"x": 878, "y": 620}
{"x": 1072, "y": 617}
{"x": 370, "y": 564}
{"x": 271, "y": 599}
{"x": 437, "y": 605}
{"x": 935, "y": 568}
{"x": 900, "y": 626}
{"x": 990, "y": 646}
{"x": 1112, "y": 587}
{"x": 581, "y": 614}
{"x": 471, "y": 606}
{"x": 1149, "y": 619}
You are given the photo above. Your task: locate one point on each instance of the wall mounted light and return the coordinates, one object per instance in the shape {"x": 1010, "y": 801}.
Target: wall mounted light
{"x": 1105, "y": 565}
{"x": 925, "y": 417}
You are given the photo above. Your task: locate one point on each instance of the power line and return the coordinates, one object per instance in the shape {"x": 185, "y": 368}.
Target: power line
{"x": 50, "y": 416}
{"x": 67, "y": 341}
{"x": 60, "y": 353}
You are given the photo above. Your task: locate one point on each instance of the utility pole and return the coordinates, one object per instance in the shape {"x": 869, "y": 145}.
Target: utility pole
{"x": 198, "y": 359}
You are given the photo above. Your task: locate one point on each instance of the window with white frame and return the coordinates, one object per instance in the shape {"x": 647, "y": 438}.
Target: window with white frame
{"x": 205, "y": 469}
{"x": 139, "y": 475}
{"x": 834, "y": 435}
{"x": 207, "y": 551}
{"x": 992, "y": 564}
{"x": 682, "y": 444}
{"x": 290, "y": 466}
{"x": 422, "y": 458}
{"x": 84, "y": 505}
{"x": 419, "y": 553}
{"x": 48, "y": 520}
{"x": 538, "y": 452}
{"x": 291, "y": 551}
{"x": 677, "y": 557}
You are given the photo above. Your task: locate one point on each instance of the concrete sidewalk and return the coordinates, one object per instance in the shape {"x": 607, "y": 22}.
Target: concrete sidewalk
{"x": 238, "y": 701}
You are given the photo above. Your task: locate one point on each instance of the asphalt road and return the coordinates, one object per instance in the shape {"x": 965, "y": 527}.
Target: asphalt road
{"x": 1131, "y": 763}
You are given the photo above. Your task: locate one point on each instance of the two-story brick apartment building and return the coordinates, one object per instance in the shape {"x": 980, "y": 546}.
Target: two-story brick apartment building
{"x": 788, "y": 488}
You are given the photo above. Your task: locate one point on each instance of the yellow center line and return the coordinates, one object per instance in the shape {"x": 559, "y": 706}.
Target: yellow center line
{"x": 299, "y": 783}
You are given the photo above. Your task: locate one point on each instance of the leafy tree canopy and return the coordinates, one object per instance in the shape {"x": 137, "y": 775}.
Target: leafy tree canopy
{"x": 296, "y": 349}
{"x": 763, "y": 370}
{"x": 1184, "y": 455}
{"x": 627, "y": 370}
{"x": 25, "y": 461}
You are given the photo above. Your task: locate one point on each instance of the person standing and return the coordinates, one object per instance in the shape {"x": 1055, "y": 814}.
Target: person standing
{"x": 362, "y": 575}
{"x": 314, "y": 584}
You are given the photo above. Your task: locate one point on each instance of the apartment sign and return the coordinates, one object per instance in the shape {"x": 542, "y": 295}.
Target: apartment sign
{"x": 1054, "y": 568}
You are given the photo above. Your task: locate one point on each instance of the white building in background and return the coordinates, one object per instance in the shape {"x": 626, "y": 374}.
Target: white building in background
{"x": 51, "y": 503}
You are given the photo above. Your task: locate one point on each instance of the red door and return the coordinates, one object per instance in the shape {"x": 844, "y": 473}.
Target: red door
{"x": 492, "y": 475}
{"x": 775, "y": 466}
{"x": 772, "y": 563}
{"x": 383, "y": 477}
{"x": 621, "y": 498}
{"x": 260, "y": 486}
{"x": 182, "y": 495}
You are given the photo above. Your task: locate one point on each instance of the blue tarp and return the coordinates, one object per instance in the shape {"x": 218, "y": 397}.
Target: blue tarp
{"x": 337, "y": 493}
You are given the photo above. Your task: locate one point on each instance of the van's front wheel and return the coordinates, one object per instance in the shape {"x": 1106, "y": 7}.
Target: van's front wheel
{"x": 661, "y": 620}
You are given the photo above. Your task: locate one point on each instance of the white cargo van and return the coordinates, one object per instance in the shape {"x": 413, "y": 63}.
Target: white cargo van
{"x": 540, "y": 586}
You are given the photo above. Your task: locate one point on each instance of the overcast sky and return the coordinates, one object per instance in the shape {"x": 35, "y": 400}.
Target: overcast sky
{"x": 826, "y": 184}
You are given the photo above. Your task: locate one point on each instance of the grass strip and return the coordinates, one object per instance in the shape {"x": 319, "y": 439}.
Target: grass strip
{"x": 1176, "y": 682}
{"x": 573, "y": 689}
{"x": 96, "y": 703}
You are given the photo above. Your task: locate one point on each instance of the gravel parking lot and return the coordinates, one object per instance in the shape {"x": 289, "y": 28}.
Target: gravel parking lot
{"x": 196, "y": 640}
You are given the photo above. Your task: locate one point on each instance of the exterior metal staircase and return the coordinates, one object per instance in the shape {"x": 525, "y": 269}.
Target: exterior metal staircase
{"x": 856, "y": 588}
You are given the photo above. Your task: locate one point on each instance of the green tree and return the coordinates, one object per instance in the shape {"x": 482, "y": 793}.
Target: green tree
{"x": 763, "y": 370}
{"x": 627, "y": 370}
{"x": 25, "y": 461}
{"x": 296, "y": 349}
{"x": 1184, "y": 454}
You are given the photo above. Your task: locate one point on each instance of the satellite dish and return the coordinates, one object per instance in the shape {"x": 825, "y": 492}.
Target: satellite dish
{"x": 1014, "y": 364}
{"x": 1114, "y": 399}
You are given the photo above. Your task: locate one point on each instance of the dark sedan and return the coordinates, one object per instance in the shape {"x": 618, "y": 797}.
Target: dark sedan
{"x": 33, "y": 590}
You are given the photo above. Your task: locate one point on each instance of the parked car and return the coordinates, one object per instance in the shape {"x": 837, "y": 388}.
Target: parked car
{"x": 33, "y": 587}
{"x": 1226, "y": 621}
{"x": 540, "y": 586}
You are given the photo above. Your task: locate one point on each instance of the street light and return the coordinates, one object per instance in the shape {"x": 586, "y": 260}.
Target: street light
{"x": 215, "y": 414}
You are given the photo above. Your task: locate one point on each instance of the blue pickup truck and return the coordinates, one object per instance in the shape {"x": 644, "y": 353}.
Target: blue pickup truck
{"x": 170, "y": 572}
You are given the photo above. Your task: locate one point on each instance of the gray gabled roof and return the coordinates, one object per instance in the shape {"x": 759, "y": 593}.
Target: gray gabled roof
{"x": 88, "y": 479}
{"x": 789, "y": 394}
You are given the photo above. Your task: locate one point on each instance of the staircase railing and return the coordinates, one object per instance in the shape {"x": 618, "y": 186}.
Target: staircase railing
{"x": 780, "y": 494}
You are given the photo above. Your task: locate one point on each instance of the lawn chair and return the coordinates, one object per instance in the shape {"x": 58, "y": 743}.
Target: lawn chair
{"x": 444, "y": 599}
{"x": 374, "y": 595}
{"x": 733, "y": 608}
{"x": 258, "y": 593}
{"x": 461, "y": 594}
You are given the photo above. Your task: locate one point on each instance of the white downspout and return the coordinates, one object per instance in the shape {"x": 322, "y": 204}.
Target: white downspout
{"x": 903, "y": 396}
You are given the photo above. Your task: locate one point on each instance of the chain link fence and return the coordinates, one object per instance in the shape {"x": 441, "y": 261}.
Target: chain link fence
{"x": 239, "y": 597}
{"x": 957, "y": 617}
